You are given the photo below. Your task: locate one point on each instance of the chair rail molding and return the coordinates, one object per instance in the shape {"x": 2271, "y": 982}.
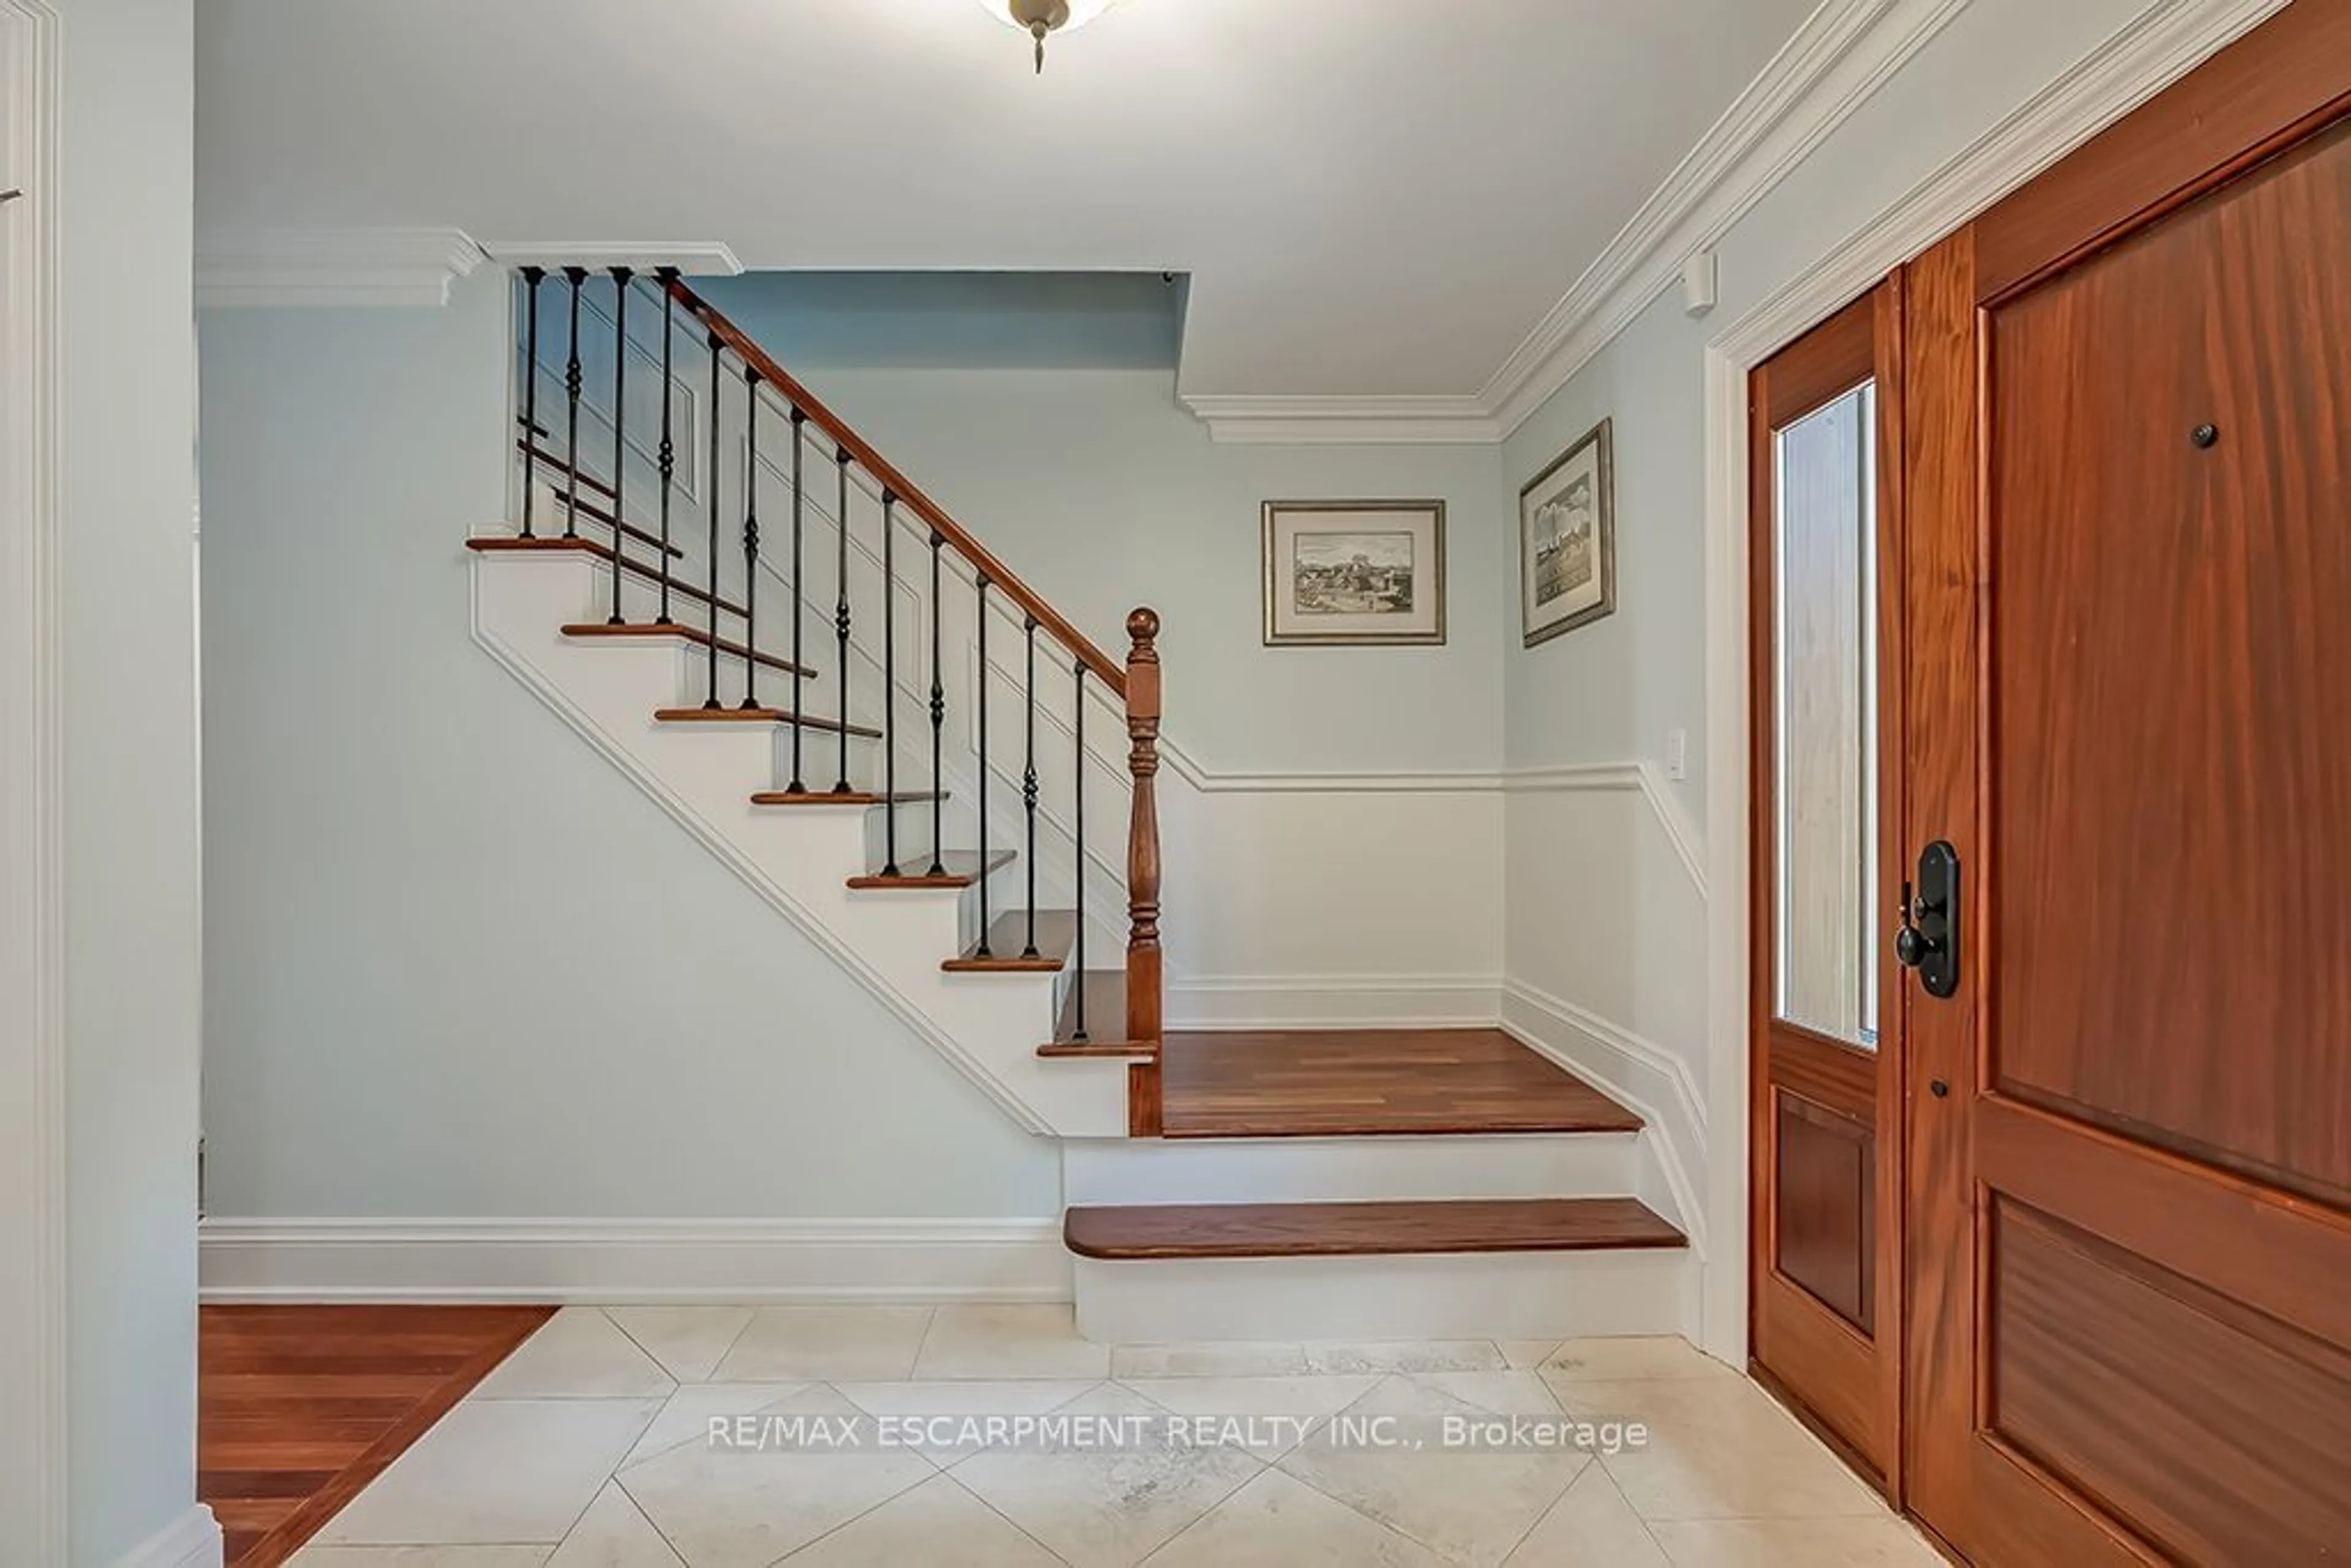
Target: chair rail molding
{"x": 358, "y": 267}
{"x": 1841, "y": 56}
{"x": 2162, "y": 44}
{"x": 33, "y": 1200}
{"x": 1640, "y": 777}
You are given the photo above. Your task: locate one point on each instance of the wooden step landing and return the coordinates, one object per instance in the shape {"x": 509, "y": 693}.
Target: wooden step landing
{"x": 844, "y": 798}
{"x": 694, "y": 634}
{"x": 515, "y": 544}
{"x": 1328, "y": 1083}
{"x": 761, "y": 716}
{"x": 1366, "y": 1229}
{"x": 1008, "y": 941}
{"x": 962, "y": 869}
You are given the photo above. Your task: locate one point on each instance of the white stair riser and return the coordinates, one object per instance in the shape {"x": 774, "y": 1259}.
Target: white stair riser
{"x": 1501, "y": 1295}
{"x": 1344, "y": 1170}
{"x": 800, "y": 859}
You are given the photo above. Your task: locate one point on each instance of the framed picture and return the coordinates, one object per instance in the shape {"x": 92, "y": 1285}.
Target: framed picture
{"x": 1567, "y": 538}
{"x": 1362, "y": 573}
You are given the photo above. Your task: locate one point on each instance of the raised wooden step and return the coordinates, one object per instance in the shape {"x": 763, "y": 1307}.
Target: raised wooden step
{"x": 503, "y": 544}
{"x": 1008, "y": 941}
{"x": 962, "y": 869}
{"x": 1105, "y": 994}
{"x": 760, "y": 715}
{"x": 1366, "y": 1229}
{"x": 849, "y": 798}
{"x": 1367, "y": 1082}
{"x": 694, "y": 634}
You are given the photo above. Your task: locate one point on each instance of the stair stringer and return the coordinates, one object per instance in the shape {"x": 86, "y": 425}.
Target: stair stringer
{"x": 799, "y": 860}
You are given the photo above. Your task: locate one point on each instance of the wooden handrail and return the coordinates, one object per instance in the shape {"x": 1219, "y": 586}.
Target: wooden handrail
{"x": 999, "y": 576}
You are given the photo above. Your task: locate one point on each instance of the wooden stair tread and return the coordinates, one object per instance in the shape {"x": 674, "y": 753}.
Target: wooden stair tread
{"x": 1096, "y": 1051}
{"x": 851, "y": 798}
{"x": 760, "y": 715}
{"x": 1365, "y": 1230}
{"x": 963, "y": 868}
{"x": 1007, "y": 938}
{"x": 1372, "y": 1083}
{"x": 694, "y": 634}
{"x": 515, "y": 544}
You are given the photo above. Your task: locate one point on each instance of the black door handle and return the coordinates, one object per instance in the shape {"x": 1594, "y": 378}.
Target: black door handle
{"x": 1928, "y": 937}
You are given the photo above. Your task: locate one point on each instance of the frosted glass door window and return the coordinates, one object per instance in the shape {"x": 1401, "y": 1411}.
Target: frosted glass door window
{"x": 1825, "y": 679}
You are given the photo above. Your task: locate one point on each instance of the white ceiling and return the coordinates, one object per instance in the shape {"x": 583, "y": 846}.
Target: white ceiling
{"x": 1373, "y": 196}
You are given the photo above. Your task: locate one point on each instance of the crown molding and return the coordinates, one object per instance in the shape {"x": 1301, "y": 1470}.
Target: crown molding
{"x": 411, "y": 266}
{"x": 1844, "y": 51}
{"x": 696, "y": 259}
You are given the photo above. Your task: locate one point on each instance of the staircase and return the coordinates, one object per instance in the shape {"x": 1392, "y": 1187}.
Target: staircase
{"x": 947, "y": 785}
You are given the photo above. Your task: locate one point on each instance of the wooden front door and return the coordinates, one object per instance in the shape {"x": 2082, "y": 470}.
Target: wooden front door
{"x": 1825, "y": 1113}
{"x": 2128, "y": 456}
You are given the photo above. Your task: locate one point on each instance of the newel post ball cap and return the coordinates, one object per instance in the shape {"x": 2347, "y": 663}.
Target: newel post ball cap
{"x": 1142, "y": 625}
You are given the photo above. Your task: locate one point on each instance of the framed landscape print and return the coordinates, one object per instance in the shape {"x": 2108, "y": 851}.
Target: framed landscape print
{"x": 1366, "y": 573}
{"x": 1567, "y": 538}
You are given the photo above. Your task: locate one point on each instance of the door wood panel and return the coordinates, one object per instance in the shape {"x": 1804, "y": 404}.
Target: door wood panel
{"x": 2195, "y": 597}
{"x": 1826, "y": 1272}
{"x": 2129, "y": 1224}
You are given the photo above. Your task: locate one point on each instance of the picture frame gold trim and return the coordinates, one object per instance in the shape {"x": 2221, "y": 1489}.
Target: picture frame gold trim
{"x": 1605, "y": 435}
{"x": 1272, "y": 585}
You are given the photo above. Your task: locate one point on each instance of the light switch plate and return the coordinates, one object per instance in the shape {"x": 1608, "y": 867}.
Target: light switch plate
{"x": 1677, "y": 755}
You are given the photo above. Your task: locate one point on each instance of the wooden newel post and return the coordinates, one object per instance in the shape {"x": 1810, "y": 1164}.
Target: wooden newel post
{"x": 1143, "y": 968}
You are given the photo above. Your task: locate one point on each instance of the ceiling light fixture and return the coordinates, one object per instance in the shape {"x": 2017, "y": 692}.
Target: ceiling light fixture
{"x": 1041, "y": 19}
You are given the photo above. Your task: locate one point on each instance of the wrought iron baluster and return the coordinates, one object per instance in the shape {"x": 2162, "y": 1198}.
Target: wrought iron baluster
{"x": 532, "y": 277}
{"x": 981, "y": 951}
{"x": 668, "y": 275}
{"x": 841, "y": 613}
{"x": 1028, "y": 790}
{"x": 620, "y": 276}
{"x": 750, "y": 544}
{"x": 1078, "y": 973}
{"x": 710, "y": 480}
{"x": 938, "y": 722}
{"x": 889, "y": 683}
{"x": 575, "y": 276}
{"x": 799, "y": 786}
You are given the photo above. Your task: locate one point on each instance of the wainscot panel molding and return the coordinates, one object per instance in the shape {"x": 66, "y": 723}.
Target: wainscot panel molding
{"x": 333, "y": 266}
{"x": 2163, "y": 44}
{"x": 1334, "y": 1001}
{"x": 634, "y": 1260}
{"x": 192, "y": 1541}
{"x": 1843, "y": 54}
{"x": 1639, "y": 778}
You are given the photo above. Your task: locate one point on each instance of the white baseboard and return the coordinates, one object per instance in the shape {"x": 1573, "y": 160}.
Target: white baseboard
{"x": 1640, "y": 1074}
{"x": 1334, "y": 1001}
{"x": 190, "y": 1540}
{"x": 634, "y": 1260}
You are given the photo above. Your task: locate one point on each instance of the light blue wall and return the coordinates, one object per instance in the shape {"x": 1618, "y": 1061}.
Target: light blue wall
{"x": 126, "y": 604}
{"x": 958, "y": 321}
{"x": 1104, "y": 492}
{"x": 1615, "y": 690}
{"x": 457, "y": 965}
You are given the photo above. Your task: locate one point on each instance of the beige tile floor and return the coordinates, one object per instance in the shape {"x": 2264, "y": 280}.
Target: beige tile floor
{"x": 592, "y": 1447}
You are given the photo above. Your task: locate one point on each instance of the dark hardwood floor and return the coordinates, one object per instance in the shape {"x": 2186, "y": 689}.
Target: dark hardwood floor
{"x": 1358, "y": 1082}
{"x": 299, "y": 1407}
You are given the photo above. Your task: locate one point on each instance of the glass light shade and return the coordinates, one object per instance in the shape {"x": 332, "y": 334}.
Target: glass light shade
{"x": 1080, "y": 13}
